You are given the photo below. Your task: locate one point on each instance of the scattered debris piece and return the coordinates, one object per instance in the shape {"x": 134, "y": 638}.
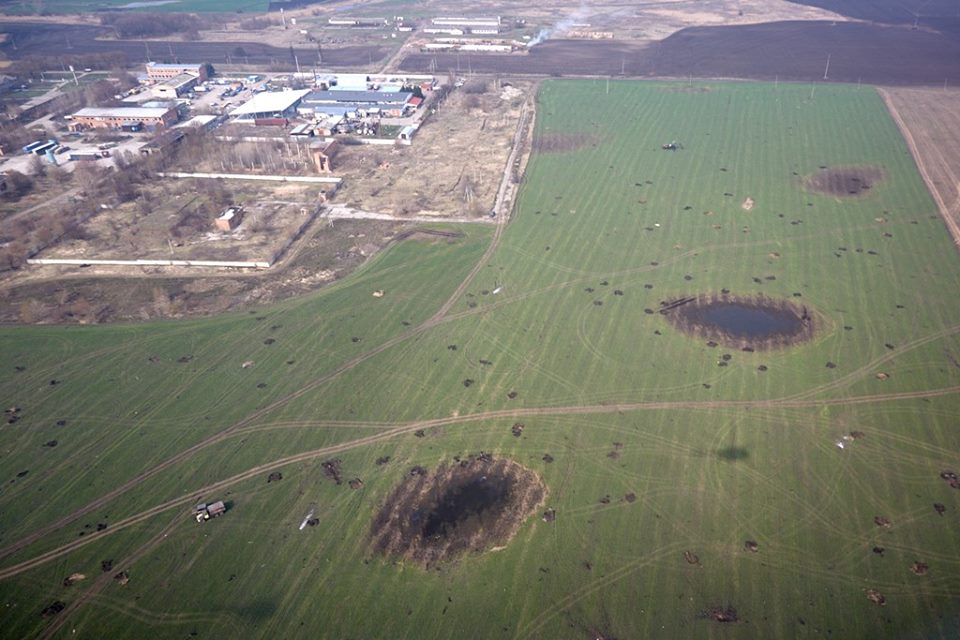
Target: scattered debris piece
{"x": 549, "y": 515}
{"x": 517, "y": 429}
{"x": 73, "y": 578}
{"x": 547, "y": 458}
{"x": 378, "y": 293}
{"x": 331, "y": 469}
{"x": 875, "y": 596}
{"x": 691, "y": 557}
{"x": 356, "y": 483}
{"x": 275, "y": 476}
{"x": 751, "y": 546}
{"x": 53, "y": 609}
{"x": 720, "y": 614}
{"x": 630, "y": 497}
{"x": 246, "y": 364}
{"x": 122, "y": 578}
{"x": 919, "y": 568}
{"x": 382, "y": 460}
{"x": 881, "y": 521}
{"x": 939, "y": 508}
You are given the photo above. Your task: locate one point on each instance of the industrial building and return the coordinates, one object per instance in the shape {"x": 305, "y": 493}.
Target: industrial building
{"x": 162, "y": 71}
{"x": 388, "y": 103}
{"x": 269, "y": 105}
{"x": 150, "y": 118}
{"x": 176, "y": 86}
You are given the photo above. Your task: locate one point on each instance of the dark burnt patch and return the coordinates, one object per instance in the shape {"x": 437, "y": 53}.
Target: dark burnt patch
{"x": 742, "y": 322}
{"x": 844, "y": 182}
{"x": 468, "y": 506}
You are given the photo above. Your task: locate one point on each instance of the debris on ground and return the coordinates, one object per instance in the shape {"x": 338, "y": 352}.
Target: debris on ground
{"x": 549, "y": 515}
{"x": 691, "y": 557}
{"x": 331, "y": 469}
{"x": 122, "y": 578}
{"x": 722, "y": 614}
{"x": 751, "y": 545}
{"x": 875, "y": 596}
{"x": 517, "y": 429}
{"x": 881, "y": 521}
{"x": 418, "y": 471}
{"x": 378, "y": 293}
{"x": 630, "y": 497}
{"x": 919, "y": 568}
{"x": 73, "y": 578}
{"x": 382, "y": 460}
{"x": 276, "y": 476}
{"x": 939, "y": 508}
{"x": 53, "y": 609}
{"x": 106, "y": 565}
{"x": 356, "y": 483}
{"x": 879, "y": 551}
{"x": 246, "y": 364}
{"x": 547, "y": 458}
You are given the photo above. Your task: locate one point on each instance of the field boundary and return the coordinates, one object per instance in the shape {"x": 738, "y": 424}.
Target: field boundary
{"x": 248, "y": 176}
{"x": 151, "y": 263}
{"x": 949, "y": 218}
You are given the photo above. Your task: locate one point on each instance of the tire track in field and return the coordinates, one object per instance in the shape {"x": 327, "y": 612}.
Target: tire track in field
{"x": 104, "y": 580}
{"x": 415, "y": 426}
{"x": 437, "y": 318}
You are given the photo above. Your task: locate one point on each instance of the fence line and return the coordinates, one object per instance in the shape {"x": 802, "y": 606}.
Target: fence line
{"x": 247, "y": 176}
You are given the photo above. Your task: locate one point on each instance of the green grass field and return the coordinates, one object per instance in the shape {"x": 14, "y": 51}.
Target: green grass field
{"x": 714, "y": 455}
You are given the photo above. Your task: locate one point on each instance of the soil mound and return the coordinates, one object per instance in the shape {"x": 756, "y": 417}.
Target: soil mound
{"x": 844, "y": 182}
{"x": 743, "y": 322}
{"x": 469, "y": 506}
{"x": 560, "y": 142}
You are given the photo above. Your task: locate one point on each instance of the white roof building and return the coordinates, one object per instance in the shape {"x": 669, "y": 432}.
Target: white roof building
{"x": 270, "y": 104}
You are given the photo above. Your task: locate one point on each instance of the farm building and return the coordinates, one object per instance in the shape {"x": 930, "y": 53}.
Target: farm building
{"x": 117, "y": 117}
{"x": 176, "y": 86}
{"x": 356, "y": 22}
{"x": 162, "y": 71}
{"x": 229, "y": 219}
{"x": 388, "y": 103}
{"x": 480, "y": 25}
{"x": 269, "y": 105}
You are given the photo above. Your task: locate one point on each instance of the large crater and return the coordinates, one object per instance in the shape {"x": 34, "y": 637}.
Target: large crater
{"x": 755, "y": 322}
{"x": 470, "y": 505}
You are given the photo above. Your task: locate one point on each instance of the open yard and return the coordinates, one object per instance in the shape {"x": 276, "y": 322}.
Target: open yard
{"x": 454, "y": 166}
{"x": 173, "y": 219}
{"x": 682, "y": 484}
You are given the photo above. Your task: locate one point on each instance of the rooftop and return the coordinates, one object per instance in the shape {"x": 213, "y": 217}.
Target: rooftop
{"x": 178, "y": 80}
{"x": 270, "y": 102}
{"x": 169, "y": 65}
{"x": 390, "y": 97}
{"x": 130, "y": 113}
